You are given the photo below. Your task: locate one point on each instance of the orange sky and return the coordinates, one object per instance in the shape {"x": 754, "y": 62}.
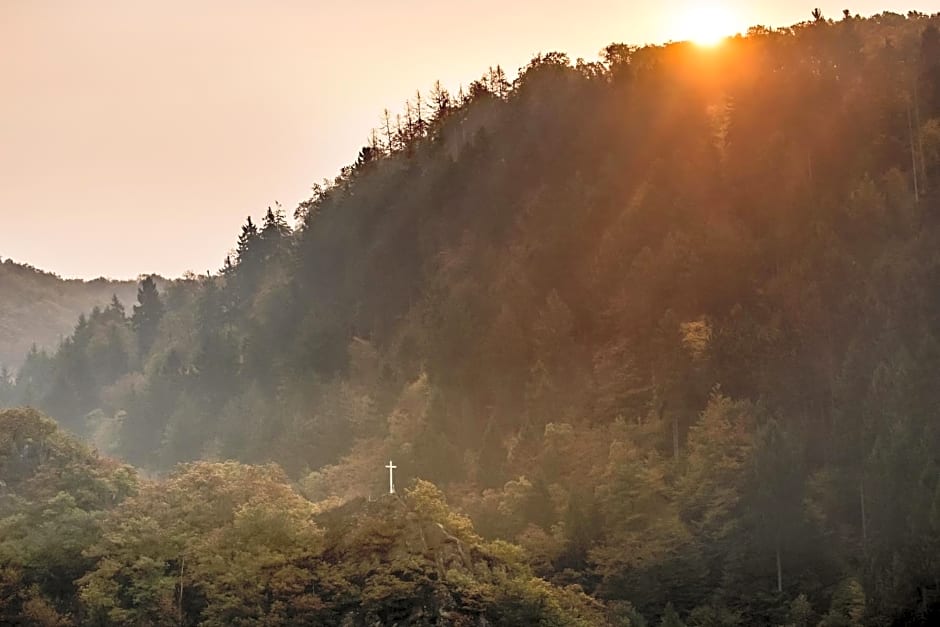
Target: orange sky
{"x": 136, "y": 136}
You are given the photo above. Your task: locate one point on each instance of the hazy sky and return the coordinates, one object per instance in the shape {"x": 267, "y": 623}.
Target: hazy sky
{"x": 137, "y": 136}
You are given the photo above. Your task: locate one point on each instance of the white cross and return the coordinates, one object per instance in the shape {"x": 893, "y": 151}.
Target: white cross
{"x": 391, "y": 483}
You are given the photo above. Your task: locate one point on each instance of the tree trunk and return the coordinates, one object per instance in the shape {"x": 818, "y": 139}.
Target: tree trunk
{"x": 779, "y": 567}
{"x": 910, "y": 128}
{"x": 861, "y": 499}
{"x": 675, "y": 436}
{"x": 179, "y": 603}
{"x": 920, "y": 137}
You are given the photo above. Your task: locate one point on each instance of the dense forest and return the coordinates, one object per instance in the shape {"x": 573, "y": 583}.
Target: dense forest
{"x": 86, "y": 540}
{"x": 40, "y": 308}
{"x": 653, "y": 340}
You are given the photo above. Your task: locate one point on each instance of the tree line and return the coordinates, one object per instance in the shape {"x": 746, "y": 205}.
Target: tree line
{"x": 667, "y": 322}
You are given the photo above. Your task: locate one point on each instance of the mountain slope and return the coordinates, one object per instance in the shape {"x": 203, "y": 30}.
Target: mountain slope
{"x": 40, "y": 308}
{"x": 669, "y": 321}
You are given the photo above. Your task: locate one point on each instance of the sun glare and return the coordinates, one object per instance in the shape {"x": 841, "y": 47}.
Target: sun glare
{"x": 707, "y": 25}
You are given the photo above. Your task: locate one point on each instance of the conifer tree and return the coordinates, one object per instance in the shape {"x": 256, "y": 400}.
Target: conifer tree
{"x": 147, "y": 315}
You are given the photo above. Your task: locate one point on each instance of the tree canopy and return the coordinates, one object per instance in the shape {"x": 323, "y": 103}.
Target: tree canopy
{"x": 661, "y": 329}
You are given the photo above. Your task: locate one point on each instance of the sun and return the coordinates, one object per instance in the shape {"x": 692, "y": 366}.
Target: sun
{"x": 707, "y": 25}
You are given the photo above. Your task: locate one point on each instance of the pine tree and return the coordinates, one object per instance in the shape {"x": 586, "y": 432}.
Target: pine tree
{"x": 441, "y": 104}
{"x": 274, "y": 234}
{"x": 147, "y": 315}
{"x": 246, "y": 241}
{"x": 275, "y": 224}
{"x": 116, "y": 308}
{"x": 6, "y": 387}
{"x": 246, "y": 269}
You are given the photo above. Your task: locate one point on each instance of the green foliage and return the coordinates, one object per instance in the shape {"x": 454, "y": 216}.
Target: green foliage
{"x": 848, "y": 605}
{"x": 668, "y": 322}
{"x": 216, "y": 541}
{"x": 801, "y": 612}
{"x": 147, "y": 314}
{"x": 670, "y": 618}
{"x": 710, "y": 616}
{"x": 53, "y": 494}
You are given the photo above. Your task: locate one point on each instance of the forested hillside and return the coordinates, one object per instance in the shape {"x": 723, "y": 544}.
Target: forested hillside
{"x": 669, "y": 322}
{"x": 40, "y": 308}
{"x": 86, "y": 541}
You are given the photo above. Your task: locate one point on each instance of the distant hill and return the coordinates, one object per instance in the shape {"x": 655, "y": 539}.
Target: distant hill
{"x": 41, "y": 307}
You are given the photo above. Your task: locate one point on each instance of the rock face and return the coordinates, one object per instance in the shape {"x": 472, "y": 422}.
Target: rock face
{"x": 409, "y": 560}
